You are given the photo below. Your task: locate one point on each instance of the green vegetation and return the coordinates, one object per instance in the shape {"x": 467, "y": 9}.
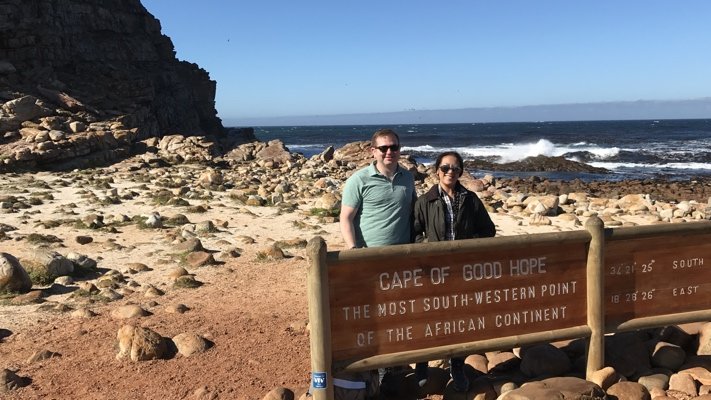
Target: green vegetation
{"x": 52, "y": 223}
{"x": 293, "y": 243}
{"x": 162, "y": 197}
{"x": 323, "y": 212}
{"x": 90, "y": 296}
{"x": 6, "y": 297}
{"x": 178, "y": 202}
{"x": 186, "y": 282}
{"x": 177, "y": 220}
{"x": 37, "y": 238}
{"x": 197, "y": 209}
{"x": 39, "y": 275}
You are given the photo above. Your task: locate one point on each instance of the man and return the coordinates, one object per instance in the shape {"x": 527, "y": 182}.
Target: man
{"x": 377, "y": 202}
{"x": 376, "y": 210}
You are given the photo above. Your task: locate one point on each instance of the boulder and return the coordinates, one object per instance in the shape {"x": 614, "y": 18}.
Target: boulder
{"x": 25, "y": 108}
{"x": 629, "y": 391}
{"x": 556, "y": 388}
{"x": 667, "y": 355}
{"x": 140, "y": 344}
{"x": 128, "y": 311}
{"x": 704, "y": 348}
{"x": 13, "y": 277}
{"x": 605, "y": 377}
{"x": 274, "y": 152}
{"x": 544, "y": 360}
{"x": 627, "y": 353}
{"x": 51, "y": 263}
{"x": 189, "y": 343}
{"x": 328, "y": 201}
{"x": 683, "y": 383}
{"x": 280, "y": 393}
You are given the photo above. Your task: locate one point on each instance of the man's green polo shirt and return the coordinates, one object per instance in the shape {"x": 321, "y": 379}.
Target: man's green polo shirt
{"x": 384, "y": 208}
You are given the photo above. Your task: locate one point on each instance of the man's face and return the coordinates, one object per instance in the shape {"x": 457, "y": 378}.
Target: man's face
{"x": 392, "y": 150}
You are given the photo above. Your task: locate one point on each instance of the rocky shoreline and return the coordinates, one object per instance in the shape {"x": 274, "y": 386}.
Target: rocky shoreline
{"x": 146, "y": 252}
{"x": 138, "y": 253}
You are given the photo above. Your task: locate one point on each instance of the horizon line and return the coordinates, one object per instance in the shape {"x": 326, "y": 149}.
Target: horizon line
{"x": 452, "y": 113}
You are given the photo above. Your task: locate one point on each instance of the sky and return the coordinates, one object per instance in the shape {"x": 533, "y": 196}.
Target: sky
{"x": 299, "y": 58}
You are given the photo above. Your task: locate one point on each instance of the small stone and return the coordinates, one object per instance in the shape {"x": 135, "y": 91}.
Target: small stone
{"x": 42, "y": 355}
{"x": 280, "y": 393}
{"x": 82, "y": 313}
{"x": 199, "y": 259}
{"x": 177, "y": 272}
{"x": 84, "y": 239}
{"x": 128, "y": 311}
{"x": 176, "y": 309}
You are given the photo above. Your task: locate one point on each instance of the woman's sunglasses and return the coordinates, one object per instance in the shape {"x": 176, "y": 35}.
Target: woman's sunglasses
{"x": 446, "y": 168}
{"x": 384, "y": 149}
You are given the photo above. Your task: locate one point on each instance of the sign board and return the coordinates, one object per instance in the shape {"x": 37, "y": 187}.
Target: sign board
{"x": 654, "y": 276}
{"x": 424, "y": 301}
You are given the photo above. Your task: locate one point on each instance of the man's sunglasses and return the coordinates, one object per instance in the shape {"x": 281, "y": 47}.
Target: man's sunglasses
{"x": 446, "y": 168}
{"x": 392, "y": 147}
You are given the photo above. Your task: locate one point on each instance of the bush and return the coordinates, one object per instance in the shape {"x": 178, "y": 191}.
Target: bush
{"x": 322, "y": 212}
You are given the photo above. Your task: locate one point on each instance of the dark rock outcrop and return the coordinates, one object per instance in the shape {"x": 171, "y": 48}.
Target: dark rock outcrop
{"x": 88, "y": 79}
{"x": 535, "y": 164}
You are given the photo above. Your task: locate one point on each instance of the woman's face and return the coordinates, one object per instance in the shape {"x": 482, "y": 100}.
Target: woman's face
{"x": 454, "y": 170}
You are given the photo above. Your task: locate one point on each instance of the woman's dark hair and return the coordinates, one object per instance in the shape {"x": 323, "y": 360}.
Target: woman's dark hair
{"x": 459, "y": 158}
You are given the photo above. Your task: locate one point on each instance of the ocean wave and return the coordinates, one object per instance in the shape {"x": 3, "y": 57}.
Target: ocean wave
{"x": 641, "y": 166}
{"x": 511, "y": 152}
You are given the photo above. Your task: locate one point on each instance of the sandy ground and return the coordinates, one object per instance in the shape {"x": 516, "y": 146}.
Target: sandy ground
{"x": 253, "y": 311}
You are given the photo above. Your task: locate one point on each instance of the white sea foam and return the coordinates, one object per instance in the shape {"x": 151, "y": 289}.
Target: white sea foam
{"x": 618, "y": 165}
{"x": 509, "y": 152}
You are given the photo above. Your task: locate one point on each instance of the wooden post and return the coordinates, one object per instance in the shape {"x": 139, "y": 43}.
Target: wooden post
{"x": 319, "y": 321}
{"x": 596, "y": 296}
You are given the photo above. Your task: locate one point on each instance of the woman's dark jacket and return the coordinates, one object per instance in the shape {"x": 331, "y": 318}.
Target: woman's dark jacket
{"x": 472, "y": 219}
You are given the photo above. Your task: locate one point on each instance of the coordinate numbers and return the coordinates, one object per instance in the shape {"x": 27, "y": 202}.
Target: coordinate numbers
{"x": 637, "y": 295}
{"x": 628, "y": 269}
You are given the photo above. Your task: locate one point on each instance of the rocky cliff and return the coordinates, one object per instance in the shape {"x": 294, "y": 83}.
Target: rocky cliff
{"x": 90, "y": 78}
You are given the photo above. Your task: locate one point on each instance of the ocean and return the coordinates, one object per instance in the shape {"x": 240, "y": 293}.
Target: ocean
{"x": 649, "y": 149}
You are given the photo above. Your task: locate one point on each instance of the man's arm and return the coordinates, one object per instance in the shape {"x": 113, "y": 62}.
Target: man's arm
{"x": 347, "y": 228}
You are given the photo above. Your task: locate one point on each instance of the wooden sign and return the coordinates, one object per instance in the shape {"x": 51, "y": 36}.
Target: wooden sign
{"x": 654, "y": 276}
{"x": 425, "y": 301}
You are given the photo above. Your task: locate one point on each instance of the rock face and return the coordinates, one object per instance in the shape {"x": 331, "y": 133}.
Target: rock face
{"x": 88, "y": 78}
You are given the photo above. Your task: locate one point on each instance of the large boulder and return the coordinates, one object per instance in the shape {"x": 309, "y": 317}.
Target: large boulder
{"x": 356, "y": 152}
{"x": 49, "y": 263}
{"x": 13, "y": 277}
{"x": 556, "y": 388}
{"x": 140, "y": 344}
{"x": 704, "y": 348}
{"x": 544, "y": 360}
{"x": 629, "y": 390}
{"x": 189, "y": 343}
{"x": 25, "y": 108}
{"x": 274, "y": 152}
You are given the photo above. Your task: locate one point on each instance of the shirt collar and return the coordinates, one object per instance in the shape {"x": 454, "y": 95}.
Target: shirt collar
{"x": 457, "y": 189}
{"x": 374, "y": 170}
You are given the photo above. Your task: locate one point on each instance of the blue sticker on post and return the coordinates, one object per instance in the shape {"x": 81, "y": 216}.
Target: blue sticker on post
{"x": 318, "y": 380}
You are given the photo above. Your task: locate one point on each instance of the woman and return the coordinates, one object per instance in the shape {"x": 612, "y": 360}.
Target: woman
{"x": 448, "y": 211}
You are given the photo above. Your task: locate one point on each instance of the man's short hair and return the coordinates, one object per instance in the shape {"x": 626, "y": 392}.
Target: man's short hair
{"x": 383, "y": 133}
